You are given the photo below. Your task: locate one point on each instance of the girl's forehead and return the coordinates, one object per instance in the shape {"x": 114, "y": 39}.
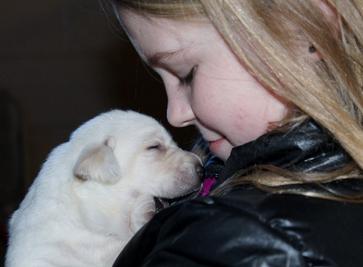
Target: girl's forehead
{"x": 151, "y": 36}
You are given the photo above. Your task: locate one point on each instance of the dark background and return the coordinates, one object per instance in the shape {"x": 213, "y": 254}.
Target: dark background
{"x": 61, "y": 63}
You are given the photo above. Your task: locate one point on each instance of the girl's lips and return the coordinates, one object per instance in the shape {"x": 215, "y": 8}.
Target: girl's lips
{"x": 213, "y": 145}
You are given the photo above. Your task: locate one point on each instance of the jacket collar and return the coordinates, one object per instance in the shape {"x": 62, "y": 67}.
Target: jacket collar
{"x": 306, "y": 147}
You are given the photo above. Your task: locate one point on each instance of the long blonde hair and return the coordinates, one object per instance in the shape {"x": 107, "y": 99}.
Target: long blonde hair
{"x": 271, "y": 37}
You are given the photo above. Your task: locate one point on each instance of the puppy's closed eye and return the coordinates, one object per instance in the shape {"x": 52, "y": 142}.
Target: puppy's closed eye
{"x": 156, "y": 146}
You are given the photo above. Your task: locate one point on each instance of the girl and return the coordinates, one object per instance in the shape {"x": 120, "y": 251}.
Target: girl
{"x": 275, "y": 89}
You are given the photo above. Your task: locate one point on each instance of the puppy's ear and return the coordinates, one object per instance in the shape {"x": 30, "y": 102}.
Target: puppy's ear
{"x": 99, "y": 163}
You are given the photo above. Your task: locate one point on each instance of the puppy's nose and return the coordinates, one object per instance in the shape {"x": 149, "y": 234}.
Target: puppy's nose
{"x": 199, "y": 170}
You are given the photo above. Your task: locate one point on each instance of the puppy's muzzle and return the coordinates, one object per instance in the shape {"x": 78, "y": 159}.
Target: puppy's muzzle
{"x": 199, "y": 170}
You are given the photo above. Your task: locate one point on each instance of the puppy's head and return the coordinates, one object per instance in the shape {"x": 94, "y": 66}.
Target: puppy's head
{"x": 128, "y": 149}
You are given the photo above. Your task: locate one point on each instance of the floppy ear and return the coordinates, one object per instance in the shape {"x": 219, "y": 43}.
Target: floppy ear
{"x": 98, "y": 163}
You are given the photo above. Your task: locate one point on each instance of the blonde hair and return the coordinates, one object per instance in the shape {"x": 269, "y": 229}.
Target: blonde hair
{"x": 271, "y": 39}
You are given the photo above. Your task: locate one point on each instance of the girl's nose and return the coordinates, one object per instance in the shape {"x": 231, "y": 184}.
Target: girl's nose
{"x": 179, "y": 111}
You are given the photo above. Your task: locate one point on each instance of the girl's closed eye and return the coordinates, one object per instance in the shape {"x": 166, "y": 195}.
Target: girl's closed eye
{"x": 188, "y": 79}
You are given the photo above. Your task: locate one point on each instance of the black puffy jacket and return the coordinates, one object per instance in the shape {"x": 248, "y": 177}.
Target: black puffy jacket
{"x": 251, "y": 227}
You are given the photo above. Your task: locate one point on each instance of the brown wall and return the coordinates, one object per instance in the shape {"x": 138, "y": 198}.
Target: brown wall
{"x": 63, "y": 62}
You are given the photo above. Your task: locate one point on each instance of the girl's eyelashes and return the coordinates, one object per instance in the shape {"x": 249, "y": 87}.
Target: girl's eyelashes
{"x": 187, "y": 80}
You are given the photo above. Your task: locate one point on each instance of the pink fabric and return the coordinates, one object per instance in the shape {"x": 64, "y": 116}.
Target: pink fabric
{"x": 207, "y": 185}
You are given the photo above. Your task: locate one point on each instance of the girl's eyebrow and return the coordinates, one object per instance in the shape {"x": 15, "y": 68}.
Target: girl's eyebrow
{"x": 157, "y": 58}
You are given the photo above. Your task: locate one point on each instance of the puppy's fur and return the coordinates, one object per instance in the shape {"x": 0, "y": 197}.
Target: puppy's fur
{"x": 95, "y": 191}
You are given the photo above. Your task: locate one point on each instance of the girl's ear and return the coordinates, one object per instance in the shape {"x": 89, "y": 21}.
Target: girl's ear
{"x": 98, "y": 163}
{"x": 330, "y": 14}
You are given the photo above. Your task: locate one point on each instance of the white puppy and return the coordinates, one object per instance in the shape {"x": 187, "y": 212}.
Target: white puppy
{"x": 96, "y": 190}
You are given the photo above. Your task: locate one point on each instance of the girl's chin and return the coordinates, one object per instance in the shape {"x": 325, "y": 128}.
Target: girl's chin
{"x": 221, "y": 148}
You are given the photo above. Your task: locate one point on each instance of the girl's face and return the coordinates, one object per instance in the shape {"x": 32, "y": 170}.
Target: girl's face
{"x": 204, "y": 81}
